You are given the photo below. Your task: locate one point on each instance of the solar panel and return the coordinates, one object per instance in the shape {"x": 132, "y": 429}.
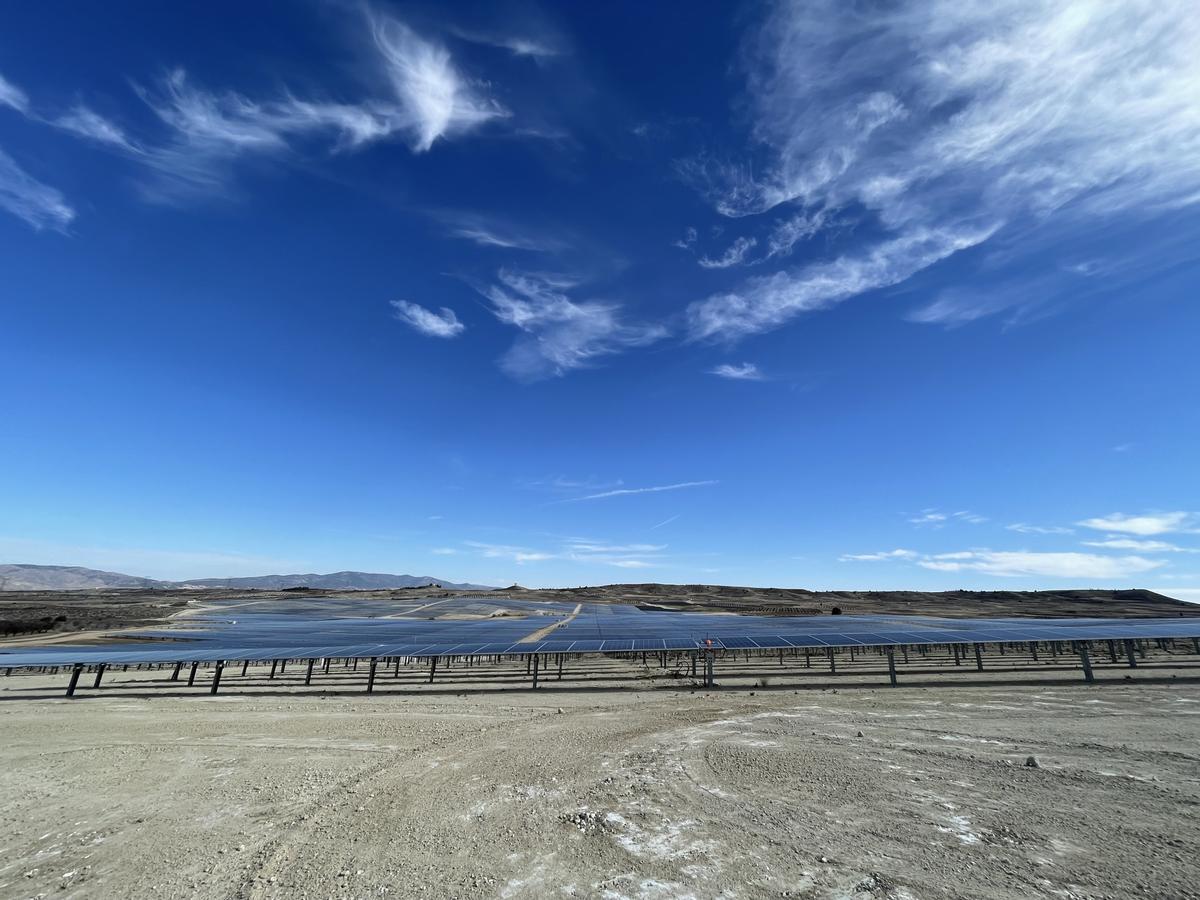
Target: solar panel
{"x": 259, "y": 631}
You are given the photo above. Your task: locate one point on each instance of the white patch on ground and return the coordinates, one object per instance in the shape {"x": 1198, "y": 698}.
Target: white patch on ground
{"x": 647, "y": 889}
{"x": 967, "y": 740}
{"x": 534, "y": 883}
{"x": 960, "y": 827}
{"x": 667, "y": 840}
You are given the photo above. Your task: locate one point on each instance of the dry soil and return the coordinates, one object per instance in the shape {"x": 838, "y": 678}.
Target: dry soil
{"x": 783, "y": 783}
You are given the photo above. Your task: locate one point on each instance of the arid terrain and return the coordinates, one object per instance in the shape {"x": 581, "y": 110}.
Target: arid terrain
{"x": 634, "y": 783}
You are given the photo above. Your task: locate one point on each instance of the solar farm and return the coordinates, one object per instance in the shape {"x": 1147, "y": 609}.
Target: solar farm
{"x": 548, "y": 638}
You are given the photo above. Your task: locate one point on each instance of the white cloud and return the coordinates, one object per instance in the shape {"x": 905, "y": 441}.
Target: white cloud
{"x": 792, "y": 230}
{"x": 420, "y": 95}
{"x": 444, "y": 551}
{"x": 1115, "y": 543}
{"x": 968, "y": 516}
{"x": 89, "y": 124}
{"x": 38, "y": 204}
{"x": 689, "y": 238}
{"x": 937, "y": 519}
{"x": 519, "y": 555}
{"x": 596, "y": 547}
{"x": 929, "y": 517}
{"x": 12, "y": 96}
{"x": 488, "y": 231}
{"x": 768, "y": 301}
{"x": 744, "y": 372}
{"x": 620, "y": 492}
{"x": 435, "y": 99}
{"x": 624, "y": 556}
{"x": 1039, "y": 529}
{"x": 950, "y": 122}
{"x": 667, "y": 521}
{"x": 561, "y": 483}
{"x": 442, "y": 324}
{"x": 1144, "y": 525}
{"x": 560, "y": 334}
{"x": 517, "y": 45}
{"x": 878, "y": 557}
{"x": 734, "y": 254}
{"x": 1054, "y": 565}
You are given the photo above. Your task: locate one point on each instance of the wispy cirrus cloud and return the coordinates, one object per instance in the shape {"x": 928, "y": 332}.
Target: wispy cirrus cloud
{"x": 518, "y": 555}
{"x": 734, "y": 255}
{"x": 766, "y": 302}
{"x": 539, "y": 47}
{"x": 1054, "y": 565}
{"x": 622, "y": 492}
{"x": 690, "y": 236}
{"x": 738, "y": 372}
{"x": 564, "y": 484}
{"x": 560, "y": 334}
{"x": 89, "y": 124}
{"x": 12, "y": 96}
{"x": 1015, "y": 563}
{"x": 1023, "y": 528}
{"x": 937, "y": 518}
{"x": 577, "y": 550}
{"x": 434, "y": 100}
{"x": 38, "y": 204}
{"x": 1117, "y": 543}
{"x": 881, "y": 556}
{"x": 949, "y": 124}
{"x": 1144, "y": 525}
{"x": 419, "y": 94}
{"x": 491, "y": 231}
{"x": 441, "y": 324}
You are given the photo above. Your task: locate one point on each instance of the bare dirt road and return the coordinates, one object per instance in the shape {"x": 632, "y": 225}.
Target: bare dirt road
{"x": 816, "y": 787}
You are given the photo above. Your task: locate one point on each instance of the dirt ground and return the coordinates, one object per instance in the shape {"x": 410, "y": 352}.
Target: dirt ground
{"x": 783, "y": 782}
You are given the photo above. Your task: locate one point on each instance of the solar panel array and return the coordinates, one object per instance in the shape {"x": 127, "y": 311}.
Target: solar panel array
{"x": 258, "y": 630}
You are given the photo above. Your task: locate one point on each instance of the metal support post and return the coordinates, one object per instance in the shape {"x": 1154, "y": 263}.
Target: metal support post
{"x": 75, "y": 670}
{"x": 1087, "y": 662}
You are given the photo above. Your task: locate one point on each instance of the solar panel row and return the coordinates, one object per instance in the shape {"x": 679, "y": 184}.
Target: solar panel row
{"x": 349, "y": 638}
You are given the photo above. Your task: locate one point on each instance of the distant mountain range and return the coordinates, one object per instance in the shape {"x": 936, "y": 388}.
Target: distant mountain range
{"x": 76, "y": 578}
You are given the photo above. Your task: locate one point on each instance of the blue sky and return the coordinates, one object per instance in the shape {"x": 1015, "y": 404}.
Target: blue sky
{"x": 816, "y": 294}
